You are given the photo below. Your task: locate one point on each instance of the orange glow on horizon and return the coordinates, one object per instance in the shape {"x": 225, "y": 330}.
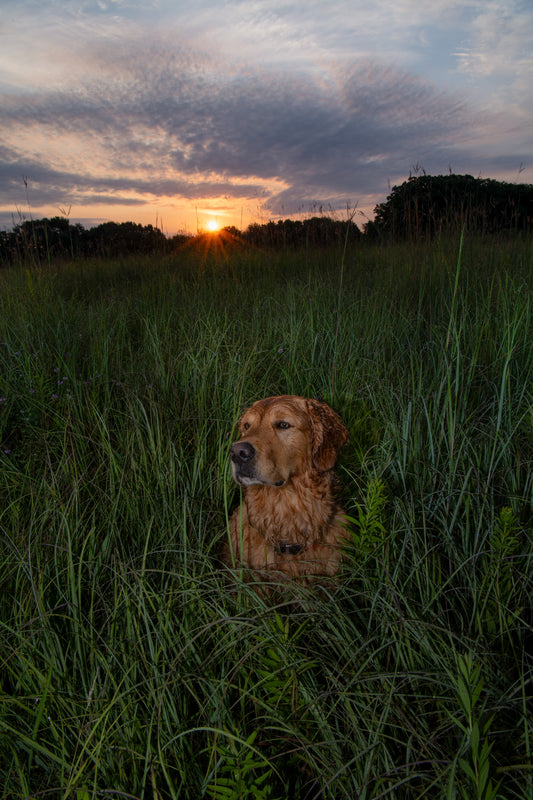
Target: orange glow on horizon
{"x": 213, "y": 226}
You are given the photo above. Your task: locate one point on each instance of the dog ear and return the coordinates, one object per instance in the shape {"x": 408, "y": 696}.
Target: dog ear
{"x": 329, "y": 434}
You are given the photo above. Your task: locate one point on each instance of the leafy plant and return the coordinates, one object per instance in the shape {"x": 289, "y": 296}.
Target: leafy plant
{"x": 474, "y": 755}
{"x": 369, "y": 532}
{"x": 500, "y": 608}
{"x": 240, "y": 772}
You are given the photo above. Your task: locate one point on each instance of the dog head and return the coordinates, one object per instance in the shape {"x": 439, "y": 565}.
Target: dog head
{"x": 285, "y": 437}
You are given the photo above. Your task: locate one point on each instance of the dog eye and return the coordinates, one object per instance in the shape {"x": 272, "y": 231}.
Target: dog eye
{"x": 245, "y": 426}
{"x": 282, "y": 426}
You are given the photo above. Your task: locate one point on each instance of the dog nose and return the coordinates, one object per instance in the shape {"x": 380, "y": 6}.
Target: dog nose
{"x": 241, "y": 452}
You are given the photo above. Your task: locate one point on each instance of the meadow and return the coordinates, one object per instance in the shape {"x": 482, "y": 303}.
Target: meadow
{"x": 129, "y": 666}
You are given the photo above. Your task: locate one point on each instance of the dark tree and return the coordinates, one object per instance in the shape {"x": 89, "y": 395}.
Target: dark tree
{"x": 113, "y": 239}
{"x": 40, "y": 241}
{"x": 45, "y": 239}
{"x": 426, "y": 205}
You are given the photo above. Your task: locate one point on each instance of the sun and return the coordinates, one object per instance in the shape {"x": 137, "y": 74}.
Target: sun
{"x": 213, "y": 226}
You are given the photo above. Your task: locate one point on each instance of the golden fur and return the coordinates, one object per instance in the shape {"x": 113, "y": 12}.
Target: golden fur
{"x": 288, "y": 522}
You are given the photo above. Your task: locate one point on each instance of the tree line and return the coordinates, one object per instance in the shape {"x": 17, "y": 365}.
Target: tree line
{"x": 421, "y": 207}
{"x": 320, "y": 231}
{"x": 48, "y": 239}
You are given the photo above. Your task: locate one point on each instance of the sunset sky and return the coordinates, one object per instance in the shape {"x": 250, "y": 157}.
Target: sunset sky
{"x": 175, "y": 113}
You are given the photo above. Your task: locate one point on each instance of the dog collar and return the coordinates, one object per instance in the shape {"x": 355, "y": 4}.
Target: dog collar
{"x": 286, "y": 548}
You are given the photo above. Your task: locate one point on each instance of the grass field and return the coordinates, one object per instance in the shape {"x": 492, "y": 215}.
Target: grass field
{"x": 128, "y": 667}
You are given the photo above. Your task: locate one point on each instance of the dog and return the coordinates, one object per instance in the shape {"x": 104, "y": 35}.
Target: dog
{"x": 288, "y": 524}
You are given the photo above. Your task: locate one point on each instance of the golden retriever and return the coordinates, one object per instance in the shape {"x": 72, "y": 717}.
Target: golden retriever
{"x": 288, "y": 522}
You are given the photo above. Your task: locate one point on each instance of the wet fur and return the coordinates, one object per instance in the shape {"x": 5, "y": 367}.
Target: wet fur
{"x": 302, "y": 512}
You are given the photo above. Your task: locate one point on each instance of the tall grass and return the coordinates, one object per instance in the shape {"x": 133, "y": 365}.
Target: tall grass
{"x": 129, "y": 666}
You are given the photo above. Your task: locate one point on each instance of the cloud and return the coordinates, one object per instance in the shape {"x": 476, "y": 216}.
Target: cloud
{"x": 499, "y": 40}
{"x": 150, "y": 120}
{"x": 497, "y": 55}
{"x": 46, "y": 185}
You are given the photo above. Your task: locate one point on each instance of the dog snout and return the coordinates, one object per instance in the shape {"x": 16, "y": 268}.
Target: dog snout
{"x": 242, "y": 452}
